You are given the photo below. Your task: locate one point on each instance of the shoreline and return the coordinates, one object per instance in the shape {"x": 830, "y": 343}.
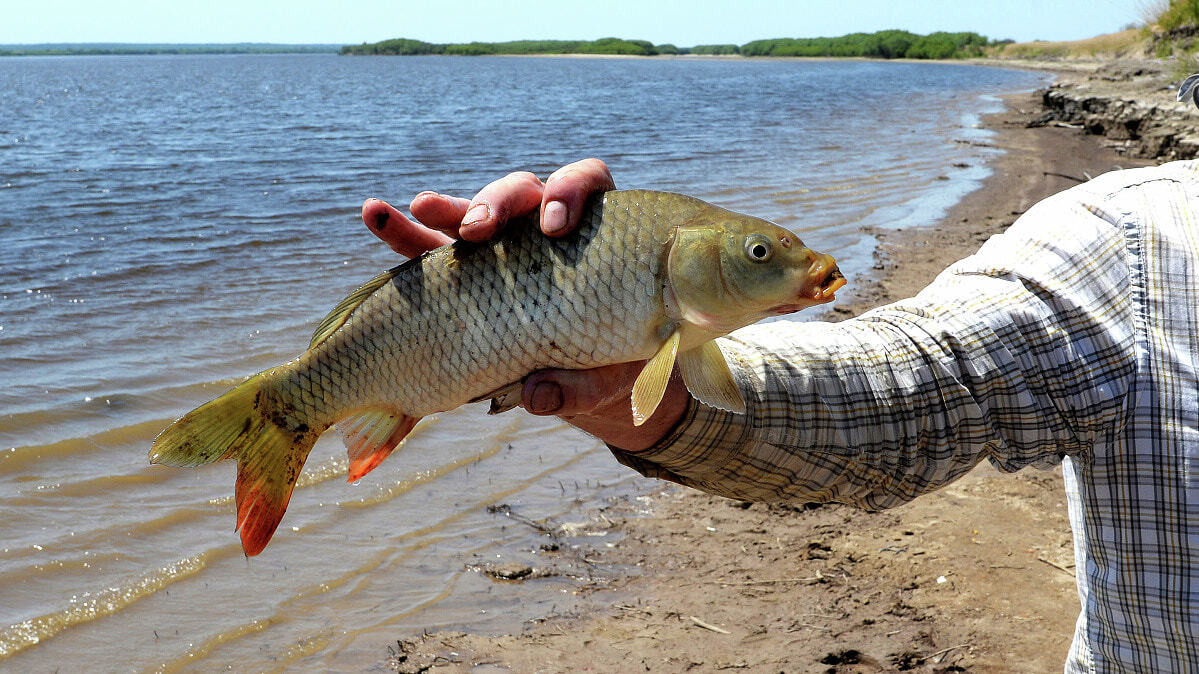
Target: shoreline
{"x": 970, "y": 577}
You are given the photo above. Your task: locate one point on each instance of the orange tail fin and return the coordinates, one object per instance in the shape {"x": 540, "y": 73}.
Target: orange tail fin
{"x": 269, "y": 458}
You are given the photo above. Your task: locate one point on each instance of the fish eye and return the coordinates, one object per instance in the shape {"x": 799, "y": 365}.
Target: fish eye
{"x": 758, "y": 248}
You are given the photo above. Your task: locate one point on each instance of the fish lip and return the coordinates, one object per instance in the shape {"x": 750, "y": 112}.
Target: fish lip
{"x": 824, "y": 279}
{"x": 833, "y": 281}
{"x": 819, "y": 286}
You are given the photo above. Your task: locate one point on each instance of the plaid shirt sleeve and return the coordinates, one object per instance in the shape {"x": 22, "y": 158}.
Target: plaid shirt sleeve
{"x": 1019, "y": 354}
{"x": 1073, "y": 336}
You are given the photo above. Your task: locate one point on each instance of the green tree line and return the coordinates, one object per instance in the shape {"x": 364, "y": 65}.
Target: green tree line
{"x": 607, "y": 45}
{"x": 885, "y": 44}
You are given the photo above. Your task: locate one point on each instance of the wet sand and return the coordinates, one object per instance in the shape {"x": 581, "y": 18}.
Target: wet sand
{"x": 975, "y": 577}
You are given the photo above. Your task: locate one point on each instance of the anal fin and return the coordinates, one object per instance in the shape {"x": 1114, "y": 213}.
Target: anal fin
{"x": 370, "y": 436}
{"x": 708, "y": 378}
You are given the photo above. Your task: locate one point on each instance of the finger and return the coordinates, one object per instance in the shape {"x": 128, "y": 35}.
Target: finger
{"x": 597, "y": 401}
{"x": 404, "y": 236}
{"x": 511, "y": 196}
{"x": 439, "y": 211}
{"x": 574, "y": 392}
{"x": 567, "y": 190}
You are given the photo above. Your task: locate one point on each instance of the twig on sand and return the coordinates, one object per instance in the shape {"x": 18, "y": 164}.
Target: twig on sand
{"x": 1067, "y": 177}
{"x": 708, "y": 626}
{"x": 769, "y": 581}
{"x": 506, "y": 510}
{"x": 935, "y": 657}
{"x": 1055, "y": 565}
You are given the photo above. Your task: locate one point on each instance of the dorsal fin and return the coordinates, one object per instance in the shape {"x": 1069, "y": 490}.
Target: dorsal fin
{"x": 342, "y": 311}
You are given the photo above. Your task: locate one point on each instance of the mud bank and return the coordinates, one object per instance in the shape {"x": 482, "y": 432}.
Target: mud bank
{"x": 1132, "y": 105}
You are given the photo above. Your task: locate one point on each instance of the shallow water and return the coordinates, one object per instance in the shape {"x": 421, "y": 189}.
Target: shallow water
{"x": 170, "y": 224}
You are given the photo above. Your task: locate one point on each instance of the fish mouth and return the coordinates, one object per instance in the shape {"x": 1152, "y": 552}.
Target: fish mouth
{"x": 824, "y": 280}
{"x": 832, "y": 282}
{"x": 820, "y": 286}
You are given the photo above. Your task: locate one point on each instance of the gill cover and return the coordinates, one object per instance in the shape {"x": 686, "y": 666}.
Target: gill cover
{"x": 742, "y": 269}
{"x": 697, "y": 287}
{"x": 727, "y": 271}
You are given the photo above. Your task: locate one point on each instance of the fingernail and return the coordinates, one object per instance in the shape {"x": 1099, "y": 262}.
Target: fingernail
{"x": 546, "y": 398}
{"x": 478, "y": 213}
{"x": 554, "y": 218}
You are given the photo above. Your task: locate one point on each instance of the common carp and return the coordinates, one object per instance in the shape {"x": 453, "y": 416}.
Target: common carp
{"x": 647, "y": 275}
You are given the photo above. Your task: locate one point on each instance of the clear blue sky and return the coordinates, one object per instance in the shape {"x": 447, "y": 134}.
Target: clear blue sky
{"x": 681, "y": 22}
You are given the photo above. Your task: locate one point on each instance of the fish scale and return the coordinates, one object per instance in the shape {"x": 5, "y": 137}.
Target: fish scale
{"x": 646, "y": 275}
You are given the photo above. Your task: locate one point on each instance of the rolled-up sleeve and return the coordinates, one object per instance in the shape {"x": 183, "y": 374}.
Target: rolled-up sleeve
{"x": 1019, "y": 354}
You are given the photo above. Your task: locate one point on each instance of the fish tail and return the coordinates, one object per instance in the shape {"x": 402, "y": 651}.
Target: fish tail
{"x": 269, "y": 456}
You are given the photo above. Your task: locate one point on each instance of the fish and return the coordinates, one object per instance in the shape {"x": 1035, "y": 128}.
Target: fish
{"x": 647, "y": 275}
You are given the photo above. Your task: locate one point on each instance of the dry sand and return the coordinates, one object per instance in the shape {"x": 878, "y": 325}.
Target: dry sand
{"x": 975, "y": 577}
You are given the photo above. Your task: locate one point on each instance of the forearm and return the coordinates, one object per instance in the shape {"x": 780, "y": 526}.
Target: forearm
{"x": 833, "y": 414}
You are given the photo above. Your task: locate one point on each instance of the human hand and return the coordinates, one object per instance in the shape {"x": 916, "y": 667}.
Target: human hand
{"x": 443, "y": 218}
{"x": 596, "y": 401}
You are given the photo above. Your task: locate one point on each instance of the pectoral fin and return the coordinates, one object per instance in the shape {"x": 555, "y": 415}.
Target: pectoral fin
{"x": 651, "y": 383}
{"x": 371, "y": 436}
{"x": 707, "y": 375}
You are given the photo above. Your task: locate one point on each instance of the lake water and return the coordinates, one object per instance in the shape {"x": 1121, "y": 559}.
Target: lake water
{"x": 171, "y": 224}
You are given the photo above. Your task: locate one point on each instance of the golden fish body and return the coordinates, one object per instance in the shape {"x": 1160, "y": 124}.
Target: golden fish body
{"x": 464, "y": 320}
{"x": 647, "y": 275}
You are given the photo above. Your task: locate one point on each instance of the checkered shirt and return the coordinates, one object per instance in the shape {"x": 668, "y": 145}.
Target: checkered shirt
{"x": 1072, "y": 337}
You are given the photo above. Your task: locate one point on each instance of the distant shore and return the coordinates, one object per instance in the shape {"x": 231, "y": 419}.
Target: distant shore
{"x": 880, "y": 44}
{"x": 151, "y": 49}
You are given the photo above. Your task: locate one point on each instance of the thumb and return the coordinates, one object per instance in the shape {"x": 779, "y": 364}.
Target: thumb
{"x": 598, "y": 402}
{"x": 573, "y": 392}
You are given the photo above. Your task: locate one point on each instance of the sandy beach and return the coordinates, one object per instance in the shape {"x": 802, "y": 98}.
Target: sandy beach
{"x": 975, "y": 577}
